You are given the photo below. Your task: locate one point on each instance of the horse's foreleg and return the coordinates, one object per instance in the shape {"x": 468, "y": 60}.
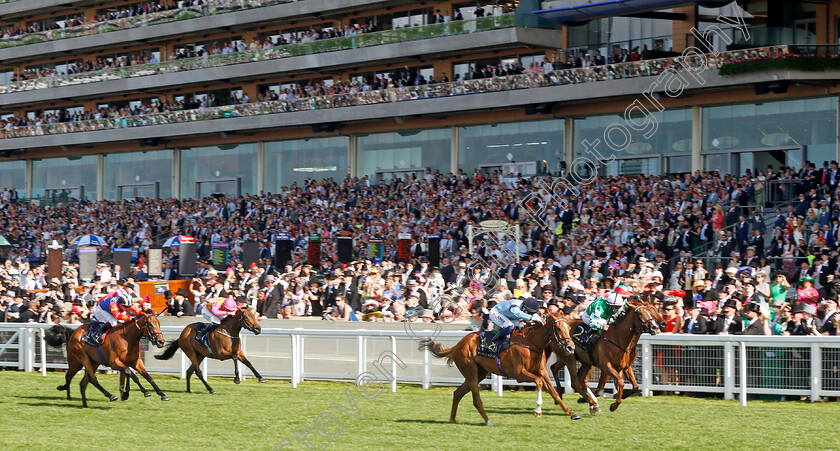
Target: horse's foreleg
{"x": 236, "y": 371}
{"x": 197, "y": 365}
{"x": 546, "y": 381}
{"x": 142, "y": 370}
{"x": 241, "y": 357}
{"x": 619, "y": 384}
{"x": 90, "y": 376}
{"x": 73, "y": 367}
{"x": 632, "y": 376}
{"x": 133, "y": 376}
{"x": 123, "y": 387}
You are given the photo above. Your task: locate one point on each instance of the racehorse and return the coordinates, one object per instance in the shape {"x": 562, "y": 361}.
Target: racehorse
{"x": 629, "y": 373}
{"x": 614, "y": 352}
{"x": 120, "y": 350}
{"x": 224, "y": 344}
{"x": 524, "y": 361}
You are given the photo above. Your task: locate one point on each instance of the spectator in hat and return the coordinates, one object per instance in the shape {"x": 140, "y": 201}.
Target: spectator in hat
{"x": 806, "y": 293}
{"x": 694, "y": 323}
{"x": 341, "y": 311}
{"x": 779, "y": 288}
{"x": 830, "y": 314}
{"x": 755, "y": 323}
{"x": 802, "y": 322}
{"x": 178, "y": 304}
{"x": 273, "y": 298}
{"x": 728, "y": 322}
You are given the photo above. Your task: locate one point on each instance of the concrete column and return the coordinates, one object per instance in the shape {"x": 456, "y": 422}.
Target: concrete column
{"x": 569, "y": 141}
{"x": 351, "y": 156}
{"x": 260, "y": 166}
{"x": 453, "y": 154}
{"x": 682, "y": 28}
{"x": 696, "y": 138}
{"x": 100, "y": 176}
{"x": 441, "y": 67}
{"x": 823, "y": 25}
{"x": 176, "y": 173}
{"x": 28, "y": 183}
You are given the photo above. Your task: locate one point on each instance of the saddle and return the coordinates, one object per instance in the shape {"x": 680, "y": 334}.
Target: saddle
{"x": 487, "y": 348}
{"x": 202, "y": 335}
{"x": 94, "y": 335}
{"x": 580, "y": 336}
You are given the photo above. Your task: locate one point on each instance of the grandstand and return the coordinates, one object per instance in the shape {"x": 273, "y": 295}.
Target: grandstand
{"x": 268, "y": 93}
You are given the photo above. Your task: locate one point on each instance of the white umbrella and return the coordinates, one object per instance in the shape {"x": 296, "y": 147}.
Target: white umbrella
{"x": 88, "y": 240}
{"x": 175, "y": 241}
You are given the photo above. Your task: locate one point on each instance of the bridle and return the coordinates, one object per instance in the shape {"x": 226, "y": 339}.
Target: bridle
{"x": 555, "y": 336}
{"x": 244, "y": 324}
{"x": 647, "y": 324}
{"x": 146, "y": 330}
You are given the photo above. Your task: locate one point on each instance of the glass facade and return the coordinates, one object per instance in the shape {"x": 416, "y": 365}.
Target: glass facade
{"x": 227, "y": 169}
{"x": 769, "y": 128}
{"x": 287, "y": 162}
{"x": 384, "y": 156}
{"x": 493, "y": 145}
{"x": 59, "y": 179}
{"x": 13, "y": 175}
{"x": 671, "y": 139}
{"x": 138, "y": 174}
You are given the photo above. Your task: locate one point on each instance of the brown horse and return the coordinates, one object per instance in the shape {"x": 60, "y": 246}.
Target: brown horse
{"x": 524, "y": 361}
{"x": 120, "y": 351}
{"x": 614, "y": 352}
{"x": 224, "y": 341}
{"x": 629, "y": 373}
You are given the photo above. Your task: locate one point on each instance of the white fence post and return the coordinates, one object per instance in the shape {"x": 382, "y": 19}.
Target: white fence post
{"x": 185, "y": 363}
{"x": 567, "y": 381}
{"x": 728, "y": 371}
{"x": 500, "y": 384}
{"x": 647, "y": 369}
{"x": 743, "y": 374}
{"x": 816, "y": 372}
{"x": 301, "y": 357}
{"x": 362, "y": 354}
{"x": 427, "y": 369}
{"x": 27, "y": 349}
{"x": 294, "y": 360}
{"x": 394, "y": 364}
{"x": 239, "y": 365}
{"x": 41, "y": 335}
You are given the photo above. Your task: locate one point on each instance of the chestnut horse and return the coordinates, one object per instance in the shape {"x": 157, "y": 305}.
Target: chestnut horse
{"x": 524, "y": 361}
{"x": 120, "y": 351}
{"x": 224, "y": 342}
{"x": 614, "y": 352}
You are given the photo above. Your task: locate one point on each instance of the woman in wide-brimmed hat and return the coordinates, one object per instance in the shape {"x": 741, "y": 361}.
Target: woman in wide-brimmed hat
{"x": 806, "y": 293}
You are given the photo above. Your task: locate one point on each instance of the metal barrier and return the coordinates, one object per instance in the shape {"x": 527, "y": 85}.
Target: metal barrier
{"x": 734, "y": 366}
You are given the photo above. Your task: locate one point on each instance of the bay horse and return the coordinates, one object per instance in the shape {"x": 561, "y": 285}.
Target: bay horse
{"x": 224, "y": 343}
{"x": 120, "y": 350}
{"x": 614, "y": 352}
{"x": 524, "y": 361}
{"x": 629, "y": 373}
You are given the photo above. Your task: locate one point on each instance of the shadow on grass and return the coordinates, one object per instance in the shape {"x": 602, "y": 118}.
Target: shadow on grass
{"x": 66, "y": 404}
{"x": 461, "y": 423}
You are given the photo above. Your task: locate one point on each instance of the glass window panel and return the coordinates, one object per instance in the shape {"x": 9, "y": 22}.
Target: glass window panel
{"x": 673, "y": 134}
{"x": 13, "y": 175}
{"x": 493, "y": 145}
{"x": 138, "y": 174}
{"x": 228, "y": 169}
{"x": 294, "y": 161}
{"x": 803, "y": 122}
{"x": 59, "y": 179}
{"x": 404, "y": 151}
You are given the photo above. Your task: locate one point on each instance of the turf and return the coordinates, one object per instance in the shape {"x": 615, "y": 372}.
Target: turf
{"x": 261, "y": 416}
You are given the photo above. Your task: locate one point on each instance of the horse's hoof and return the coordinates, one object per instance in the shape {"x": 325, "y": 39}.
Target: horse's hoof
{"x": 489, "y": 423}
{"x": 212, "y": 392}
{"x": 164, "y": 398}
{"x": 124, "y": 397}
{"x": 594, "y": 409}
{"x": 575, "y": 416}
{"x": 538, "y": 414}
{"x": 61, "y": 388}
{"x": 582, "y": 400}
{"x": 261, "y": 380}
{"x": 236, "y": 380}
{"x": 613, "y": 406}
{"x": 146, "y": 394}
{"x": 113, "y": 398}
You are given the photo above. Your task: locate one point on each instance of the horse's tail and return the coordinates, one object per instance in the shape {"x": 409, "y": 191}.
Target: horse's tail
{"x": 58, "y": 335}
{"x": 170, "y": 350}
{"x": 437, "y": 349}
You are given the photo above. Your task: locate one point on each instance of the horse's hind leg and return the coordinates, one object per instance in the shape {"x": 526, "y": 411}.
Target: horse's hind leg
{"x": 456, "y": 398}
{"x": 73, "y": 367}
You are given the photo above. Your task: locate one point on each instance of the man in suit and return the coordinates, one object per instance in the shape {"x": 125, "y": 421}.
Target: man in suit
{"x": 826, "y": 324}
{"x": 743, "y": 234}
{"x": 695, "y": 323}
{"x": 274, "y": 298}
{"x": 169, "y": 272}
{"x": 179, "y": 304}
{"x": 119, "y": 274}
{"x": 728, "y": 322}
{"x": 27, "y": 312}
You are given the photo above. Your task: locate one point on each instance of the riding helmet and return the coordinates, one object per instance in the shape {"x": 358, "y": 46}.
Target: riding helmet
{"x": 126, "y": 301}
{"x": 531, "y": 305}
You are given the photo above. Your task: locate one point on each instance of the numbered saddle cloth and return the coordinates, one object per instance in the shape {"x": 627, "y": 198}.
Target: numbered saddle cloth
{"x": 487, "y": 348}
{"x": 202, "y": 334}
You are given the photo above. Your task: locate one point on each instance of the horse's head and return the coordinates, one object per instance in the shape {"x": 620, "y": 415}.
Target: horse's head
{"x": 644, "y": 316}
{"x": 248, "y": 319}
{"x": 149, "y": 325}
{"x": 560, "y": 333}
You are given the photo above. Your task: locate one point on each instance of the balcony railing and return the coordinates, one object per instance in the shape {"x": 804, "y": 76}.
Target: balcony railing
{"x": 162, "y": 17}
{"x": 284, "y": 51}
{"x": 390, "y": 95}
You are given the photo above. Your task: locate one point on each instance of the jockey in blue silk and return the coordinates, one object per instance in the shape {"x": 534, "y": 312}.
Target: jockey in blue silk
{"x": 509, "y": 314}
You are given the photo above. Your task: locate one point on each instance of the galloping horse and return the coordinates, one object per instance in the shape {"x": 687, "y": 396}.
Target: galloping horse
{"x": 629, "y": 373}
{"x": 524, "y": 361}
{"x": 224, "y": 344}
{"x": 120, "y": 351}
{"x": 614, "y": 352}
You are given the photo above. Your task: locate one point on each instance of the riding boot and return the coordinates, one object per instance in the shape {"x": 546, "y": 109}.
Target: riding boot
{"x": 593, "y": 337}
{"x": 502, "y": 334}
{"x": 101, "y": 332}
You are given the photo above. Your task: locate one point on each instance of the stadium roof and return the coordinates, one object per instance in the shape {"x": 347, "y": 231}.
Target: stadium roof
{"x": 578, "y": 14}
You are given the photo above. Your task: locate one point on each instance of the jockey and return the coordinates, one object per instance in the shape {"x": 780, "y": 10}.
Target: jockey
{"x": 508, "y": 314}
{"x": 215, "y": 310}
{"x": 601, "y": 313}
{"x": 107, "y": 313}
